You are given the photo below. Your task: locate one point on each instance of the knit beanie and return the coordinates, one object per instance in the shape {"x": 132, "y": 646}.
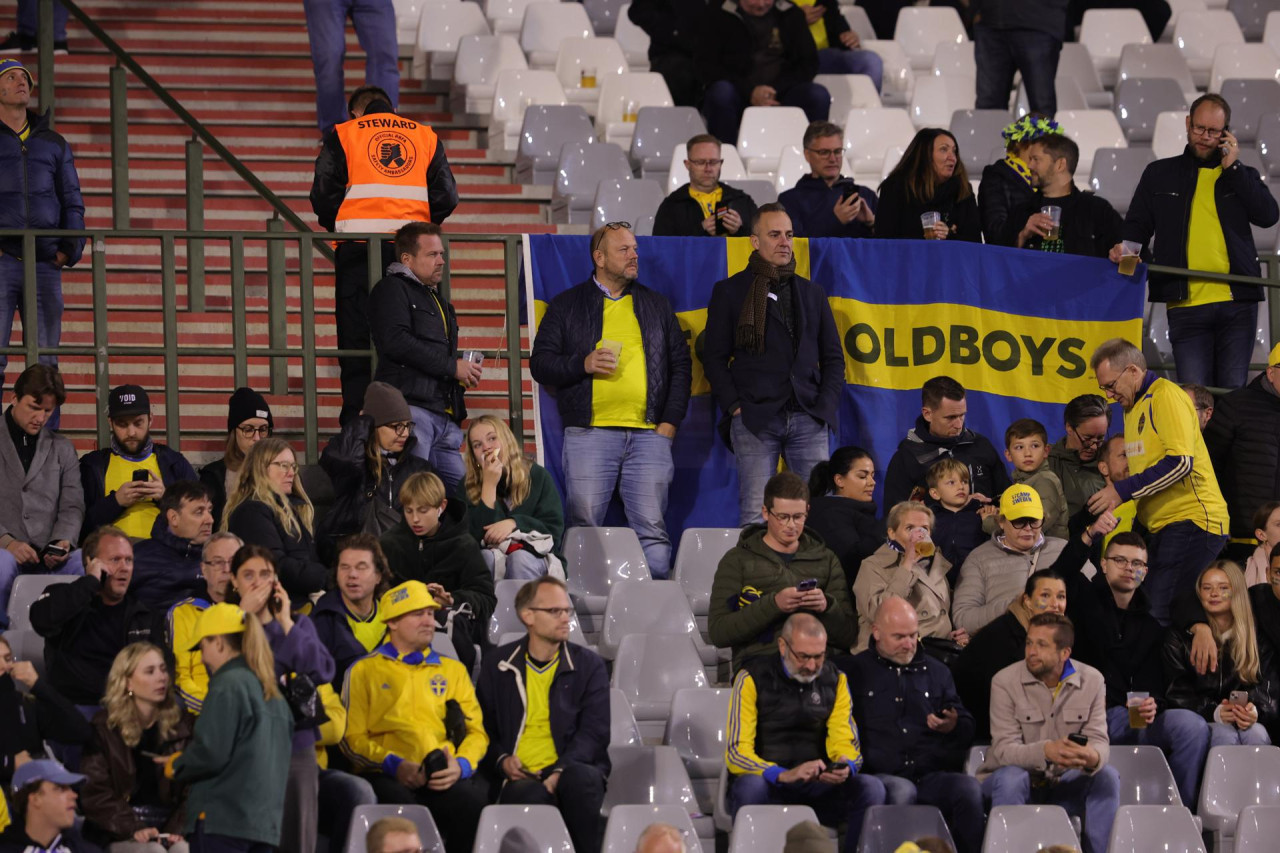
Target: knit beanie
{"x": 244, "y": 404}
{"x": 385, "y": 404}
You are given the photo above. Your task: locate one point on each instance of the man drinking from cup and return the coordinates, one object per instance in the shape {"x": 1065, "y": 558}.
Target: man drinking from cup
{"x": 1063, "y": 218}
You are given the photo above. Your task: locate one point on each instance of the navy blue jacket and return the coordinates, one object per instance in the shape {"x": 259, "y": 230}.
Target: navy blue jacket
{"x": 811, "y": 205}
{"x": 579, "y": 705}
{"x": 329, "y": 617}
{"x": 166, "y": 568}
{"x": 39, "y": 188}
{"x": 569, "y": 332}
{"x": 892, "y": 702}
{"x": 102, "y": 508}
{"x": 417, "y": 347}
{"x": 809, "y": 365}
{"x": 956, "y": 534}
{"x": 1161, "y": 208}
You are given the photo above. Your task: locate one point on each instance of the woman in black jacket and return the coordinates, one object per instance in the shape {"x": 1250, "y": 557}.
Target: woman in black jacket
{"x": 367, "y": 463}
{"x": 930, "y": 178}
{"x": 248, "y": 422}
{"x": 842, "y": 507}
{"x": 1244, "y": 667}
{"x": 270, "y": 508}
{"x": 28, "y": 719}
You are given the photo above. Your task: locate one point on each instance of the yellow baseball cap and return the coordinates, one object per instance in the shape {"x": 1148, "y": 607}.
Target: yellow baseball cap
{"x": 1021, "y": 502}
{"x": 1274, "y": 358}
{"x": 217, "y": 620}
{"x": 405, "y": 598}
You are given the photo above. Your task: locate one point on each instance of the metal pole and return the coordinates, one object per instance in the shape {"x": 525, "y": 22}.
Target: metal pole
{"x": 119, "y": 148}
{"x": 101, "y": 353}
{"x": 515, "y": 373}
{"x": 239, "y": 334}
{"x": 44, "y": 64}
{"x": 195, "y": 222}
{"x": 311, "y": 433}
{"x": 278, "y": 328}
{"x": 169, "y": 294}
{"x": 30, "y": 325}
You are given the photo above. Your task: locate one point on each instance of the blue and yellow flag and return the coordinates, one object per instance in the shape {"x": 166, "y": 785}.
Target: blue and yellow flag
{"x": 1014, "y": 327}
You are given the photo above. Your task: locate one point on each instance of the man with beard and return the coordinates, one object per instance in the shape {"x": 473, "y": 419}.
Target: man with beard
{"x": 1087, "y": 223}
{"x": 123, "y": 483}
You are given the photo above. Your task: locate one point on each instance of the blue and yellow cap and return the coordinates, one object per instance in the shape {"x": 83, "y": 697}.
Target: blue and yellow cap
{"x": 217, "y": 620}
{"x": 8, "y": 65}
{"x": 405, "y": 598}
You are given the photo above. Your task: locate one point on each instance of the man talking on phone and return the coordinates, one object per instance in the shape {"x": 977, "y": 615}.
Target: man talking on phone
{"x": 1199, "y": 207}
{"x": 1049, "y": 741}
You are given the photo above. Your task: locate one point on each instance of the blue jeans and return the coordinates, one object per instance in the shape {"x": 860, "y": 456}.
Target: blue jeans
{"x": 1212, "y": 344}
{"x": 1221, "y": 734}
{"x": 1094, "y": 799}
{"x": 637, "y": 462}
{"x": 520, "y": 565}
{"x": 29, "y": 19}
{"x": 798, "y": 437}
{"x": 723, "y": 106}
{"x": 48, "y": 319}
{"x": 340, "y": 793}
{"x": 1000, "y": 53}
{"x": 1183, "y": 737}
{"x": 9, "y": 571}
{"x": 440, "y": 443}
{"x": 833, "y": 60}
{"x": 834, "y": 804}
{"x": 1178, "y": 553}
{"x": 375, "y": 23}
{"x": 957, "y": 795}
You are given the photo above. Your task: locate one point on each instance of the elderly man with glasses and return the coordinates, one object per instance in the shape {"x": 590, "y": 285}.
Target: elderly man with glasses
{"x": 614, "y": 356}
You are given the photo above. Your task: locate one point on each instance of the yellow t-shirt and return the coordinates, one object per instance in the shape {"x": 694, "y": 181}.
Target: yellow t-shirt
{"x": 619, "y": 399}
{"x": 368, "y": 632}
{"x": 818, "y": 29}
{"x": 136, "y": 521}
{"x": 536, "y": 749}
{"x": 1206, "y": 245}
{"x": 707, "y": 201}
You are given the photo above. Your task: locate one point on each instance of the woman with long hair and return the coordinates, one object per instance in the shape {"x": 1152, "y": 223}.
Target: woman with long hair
{"x": 842, "y": 507}
{"x": 270, "y": 508}
{"x": 1266, "y": 529}
{"x": 505, "y": 493}
{"x": 1238, "y": 699}
{"x": 129, "y": 805}
{"x": 930, "y": 178}
{"x": 248, "y": 422}
{"x": 237, "y": 763}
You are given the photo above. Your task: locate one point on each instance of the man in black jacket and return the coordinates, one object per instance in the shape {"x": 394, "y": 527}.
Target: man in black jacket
{"x": 825, "y": 203}
{"x": 915, "y": 730}
{"x": 704, "y": 206}
{"x": 546, "y": 711}
{"x": 775, "y": 362}
{"x": 613, "y": 354}
{"x": 415, "y": 331}
{"x": 1014, "y": 35}
{"x": 939, "y": 432}
{"x": 1199, "y": 207}
{"x": 673, "y": 27}
{"x": 123, "y": 483}
{"x": 87, "y": 622}
{"x": 1243, "y": 438}
{"x": 758, "y": 53}
{"x": 167, "y": 566}
{"x": 1087, "y": 224}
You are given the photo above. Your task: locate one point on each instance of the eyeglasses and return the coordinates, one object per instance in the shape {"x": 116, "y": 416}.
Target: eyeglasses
{"x": 818, "y": 658}
{"x": 1111, "y": 386}
{"x": 788, "y": 517}
{"x": 1089, "y": 440}
{"x": 1024, "y": 523}
{"x": 605, "y": 229}
{"x": 555, "y": 612}
{"x": 826, "y": 152}
{"x": 287, "y": 467}
{"x": 1138, "y": 565}
{"x": 217, "y": 564}
{"x": 250, "y": 431}
{"x": 402, "y": 429}
{"x": 703, "y": 164}
{"x": 1210, "y": 132}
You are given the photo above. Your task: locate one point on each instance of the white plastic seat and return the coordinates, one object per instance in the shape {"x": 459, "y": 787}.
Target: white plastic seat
{"x": 1257, "y": 829}
{"x": 638, "y": 607}
{"x": 1198, "y": 36}
{"x": 1236, "y": 777}
{"x": 702, "y": 547}
{"x": 514, "y": 91}
{"x": 649, "y": 669}
{"x": 1170, "y": 135}
{"x": 1176, "y": 8}
{"x": 1250, "y": 101}
{"x": 653, "y": 775}
{"x": 623, "y": 730}
{"x": 763, "y": 829}
{"x": 848, "y": 92}
{"x": 505, "y": 624}
{"x": 732, "y": 170}
{"x": 480, "y": 58}
{"x": 899, "y": 79}
{"x": 1105, "y": 32}
{"x": 1091, "y": 130}
{"x": 955, "y": 58}
{"x": 1158, "y": 60}
{"x": 1271, "y": 32}
{"x": 542, "y": 822}
{"x": 696, "y": 728}
{"x": 408, "y": 14}
{"x": 765, "y": 131}
{"x": 581, "y": 169}
{"x": 626, "y": 199}
{"x": 1116, "y": 172}
{"x": 627, "y": 823}
{"x": 1145, "y": 777}
{"x": 1076, "y": 64}
{"x": 920, "y": 29}
{"x": 543, "y": 135}
{"x": 761, "y": 191}
{"x": 603, "y": 15}
{"x": 546, "y": 25}
{"x": 1155, "y": 829}
{"x": 597, "y": 557}
{"x": 364, "y": 817}
{"x": 26, "y": 589}
{"x": 1243, "y": 62}
{"x": 1017, "y": 829}
{"x": 1139, "y": 100}
{"x": 885, "y": 828}
{"x": 634, "y": 41}
{"x": 1269, "y": 144}
{"x": 603, "y": 55}
{"x": 637, "y": 89}
{"x": 505, "y": 16}
{"x": 937, "y": 98}
{"x": 658, "y": 131}
{"x": 977, "y": 755}
{"x": 975, "y": 132}
{"x": 856, "y": 17}
{"x": 443, "y": 25}
{"x": 868, "y": 134}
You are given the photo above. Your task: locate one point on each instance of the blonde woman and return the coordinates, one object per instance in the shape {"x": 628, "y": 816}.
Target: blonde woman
{"x": 503, "y": 493}
{"x": 1237, "y": 699}
{"x": 248, "y": 422}
{"x": 129, "y": 805}
{"x": 270, "y": 508}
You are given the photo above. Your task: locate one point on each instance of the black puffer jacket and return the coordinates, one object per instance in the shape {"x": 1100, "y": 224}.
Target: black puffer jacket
{"x": 680, "y": 216}
{"x": 1001, "y": 193}
{"x": 451, "y": 558}
{"x": 1203, "y": 693}
{"x": 1243, "y": 438}
{"x": 40, "y": 188}
{"x": 849, "y": 528}
{"x": 214, "y": 477}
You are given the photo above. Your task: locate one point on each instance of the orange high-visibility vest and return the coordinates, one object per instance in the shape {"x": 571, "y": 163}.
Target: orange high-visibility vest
{"x": 387, "y": 160}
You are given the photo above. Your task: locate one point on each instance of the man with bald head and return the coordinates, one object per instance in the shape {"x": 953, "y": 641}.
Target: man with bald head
{"x": 660, "y": 838}
{"x": 792, "y": 735}
{"x": 918, "y": 731}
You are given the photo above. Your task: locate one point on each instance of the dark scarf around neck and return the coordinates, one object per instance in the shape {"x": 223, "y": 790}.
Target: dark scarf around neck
{"x": 751, "y": 321}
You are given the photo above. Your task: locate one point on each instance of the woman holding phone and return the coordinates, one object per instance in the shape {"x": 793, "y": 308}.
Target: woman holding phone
{"x": 1237, "y": 699}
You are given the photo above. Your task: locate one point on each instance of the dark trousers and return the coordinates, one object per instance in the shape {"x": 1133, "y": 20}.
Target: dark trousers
{"x": 723, "y": 106}
{"x": 1001, "y": 53}
{"x": 351, "y": 310}
{"x": 834, "y": 804}
{"x": 1178, "y": 553}
{"x": 681, "y": 76}
{"x": 203, "y": 842}
{"x": 579, "y": 796}
{"x": 1212, "y": 344}
{"x": 455, "y": 811}
{"x": 957, "y": 795}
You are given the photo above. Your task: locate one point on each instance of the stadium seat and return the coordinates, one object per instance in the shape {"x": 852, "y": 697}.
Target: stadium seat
{"x": 542, "y": 822}
{"x": 1018, "y": 829}
{"x": 602, "y": 55}
{"x": 869, "y": 133}
{"x": 856, "y": 17}
{"x": 920, "y": 29}
{"x": 763, "y": 829}
{"x": 1158, "y": 60}
{"x": 621, "y": 92}
{"x": 886, "y": 827}
{"x": 546, "y": 25}
{"x": 505, "y": 624}
{"x": 1065, "y": 89}
{"x": 1243, "y": 62}
{"x": 977, "y": 755}
{"x": 640, "y": 607}
{"x": 1269, "y": 143}
{"x": 732, "y": 171}
{"x": 364, "y": 817}
{"x": 1155, "y": 829}
{"x": 1236, "y": 777}
{"x": 514, "y": 91}
{"x": 765, "y": 131}
{"x": 1145, "y": 777}
{"x": 628, "y": 822}
{"x": 891, "y": 157}
{"x": 505, "y": 16}
{"x": 649, "y": 669}
{"x": 761, "y": 191}
{"x": 581, "y": 169}
{"x": 975, "y": 132}
{"x": 1271, "y": 32}
{"x": 603, "y": 15}
{"x": 937, "y": 98}
{"x": 1176, "y": 8}
{"x": 697, "y": 558}
{"x": 1170, "y": 135}
{"x": 634, "y": 41}
{"x": 653, "y": 775}
{"x": 696, "y": 728}
{"x": 597, "y": 557}
{"x": 1091, "y": 130}
{"x": 1257, "y": 829}
{"x": 623, "y": 730}
{"x": 1075, "y": 64}
{"x": 408, "y": 14}
{"x": 1250, "y": 100}
{"x": 1198, "y": 36}
{"x": 480, "y": 58}
{"x": 1116, "y": 172}
{"x": 443, "y": 25}
{"x": 848, "y": 92}
{"x": 26, "y": 589}
{"x": 955, "y": 59}
{"x": 658, "y": 131}
{"x": 1140, "y": 99}
{"x": 626, "y": 200}
{"x": 1105, "y": 32}
{"x": 899, "y": 79}
{"x": 442, "y": 644}
{"x": 546, "y": 129}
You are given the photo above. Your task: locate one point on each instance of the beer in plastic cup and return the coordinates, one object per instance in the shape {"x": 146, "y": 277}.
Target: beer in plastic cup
{"x": 928, "y": 220}
{"x": 1055, "y": 215}
{"x": 1129, "y": 251}
{"x": 924, "y": 545}
{"x": 614, "y": 347}
{"x": 474, "y": 356}
{"x": 587, "y": 79}
{"x": 1134, "y": 700}
{"x": 630, "y": 111}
